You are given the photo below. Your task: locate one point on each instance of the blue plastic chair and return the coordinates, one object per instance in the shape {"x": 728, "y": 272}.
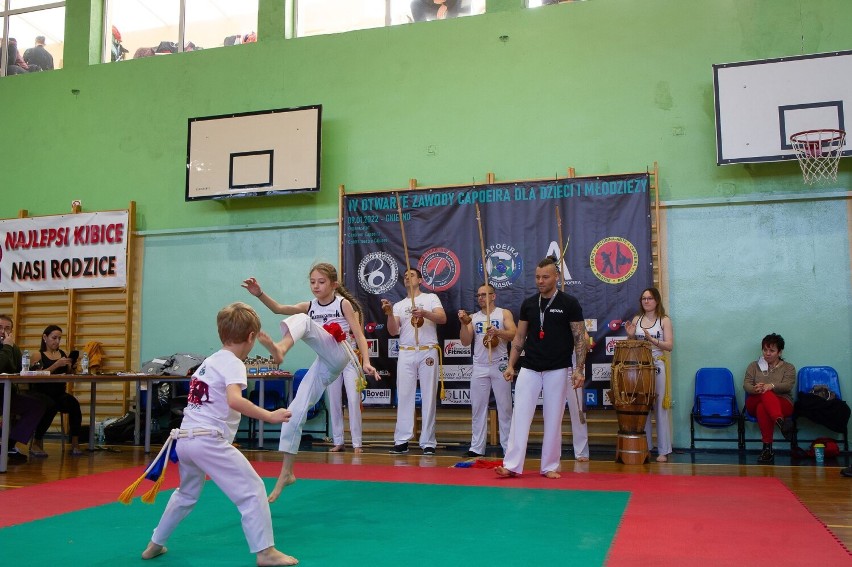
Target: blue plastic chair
{"x": 714, "y": 404}
{"x": 274, "y": 397}
{"x": 810, "y": 376}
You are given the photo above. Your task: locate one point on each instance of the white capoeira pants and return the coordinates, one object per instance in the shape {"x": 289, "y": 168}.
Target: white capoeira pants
{"x": 233, "y": 474}
{"x": 484, "y": 379}
{"x": 554, "y": 386}
{"x": 353, "y": 399}
{"x": 414, "y": 365}
{"x": 330, "y": 362}
{"x": 662, "y": 415}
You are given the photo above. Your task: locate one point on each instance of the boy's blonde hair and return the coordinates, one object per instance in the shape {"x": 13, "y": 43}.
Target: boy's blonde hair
{"x": 235, "y": 322}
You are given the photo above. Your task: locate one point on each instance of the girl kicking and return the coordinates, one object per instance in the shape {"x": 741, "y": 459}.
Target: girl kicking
{"x": 336, "y": 309}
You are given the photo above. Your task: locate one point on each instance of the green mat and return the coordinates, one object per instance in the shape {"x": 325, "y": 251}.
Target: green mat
{"x": 336, "y": 523}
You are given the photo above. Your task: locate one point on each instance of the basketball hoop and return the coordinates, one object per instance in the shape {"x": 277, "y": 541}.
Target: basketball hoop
{"x": 818, "y": 152}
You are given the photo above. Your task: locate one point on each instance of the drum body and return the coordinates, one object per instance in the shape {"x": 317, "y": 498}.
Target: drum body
{"x": 633, "y": 395}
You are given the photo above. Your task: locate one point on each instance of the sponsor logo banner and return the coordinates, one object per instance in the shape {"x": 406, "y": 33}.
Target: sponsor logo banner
{"x": 461, "y": 373}
{"x": 456, "y": 397}
{"x": 376, "y": 396}
{"x": 601, "y": 372}
{"x": 453, "y": 347}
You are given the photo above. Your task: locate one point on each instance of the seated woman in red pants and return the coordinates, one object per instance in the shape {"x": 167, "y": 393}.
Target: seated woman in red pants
{"x": 769, "y": 384}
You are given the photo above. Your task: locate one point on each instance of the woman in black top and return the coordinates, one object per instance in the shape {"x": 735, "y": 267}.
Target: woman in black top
{"x": 50, "y": 357}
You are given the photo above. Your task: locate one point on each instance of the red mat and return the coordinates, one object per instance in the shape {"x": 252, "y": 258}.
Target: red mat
{"x": 670, "y": 520}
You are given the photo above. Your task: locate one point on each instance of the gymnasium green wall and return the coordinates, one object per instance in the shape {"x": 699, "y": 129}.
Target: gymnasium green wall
{"x": 604, "y": 86}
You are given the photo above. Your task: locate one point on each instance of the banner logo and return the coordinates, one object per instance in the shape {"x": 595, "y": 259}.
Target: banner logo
{"x": 393, "y": 348}
{"x": 377, "y": 272}
{"x": 453, "y": 347}
{"x": 373, "y": 347}
{"x": 440, "y": 269}
{"x": 456, "y": 397}
{"x": 504, "y": 265}
{"x": 376, "y": 396}
{"x": 458, "y": 372}
{"x": 601, "y": 372}
{"x": 613, "y": 260}
{"x": 610, "y": 344}
{"x": 372, "y": 327}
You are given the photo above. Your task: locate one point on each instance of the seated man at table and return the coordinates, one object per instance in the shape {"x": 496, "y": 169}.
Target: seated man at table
{"x": 27, "y": 409}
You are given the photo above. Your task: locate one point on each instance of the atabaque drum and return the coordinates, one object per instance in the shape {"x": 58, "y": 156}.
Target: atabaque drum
{"x": 633, "y": 395}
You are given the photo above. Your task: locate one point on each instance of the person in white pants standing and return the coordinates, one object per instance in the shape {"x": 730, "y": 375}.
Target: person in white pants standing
{"x": 653, "y": 325}
{"x": 489, "y": 335}
{"x": 419, "y": 359}
{"x": 550, "y": 328}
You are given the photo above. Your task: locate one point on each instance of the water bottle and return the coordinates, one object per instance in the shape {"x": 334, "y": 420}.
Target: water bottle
{"x": 25, "y": 361}
{"x": 819, "y": 453}
{"x": 84, "y": 364}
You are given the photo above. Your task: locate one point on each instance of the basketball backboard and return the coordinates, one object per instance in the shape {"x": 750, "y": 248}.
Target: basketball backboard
{"x": 759, "y": 104}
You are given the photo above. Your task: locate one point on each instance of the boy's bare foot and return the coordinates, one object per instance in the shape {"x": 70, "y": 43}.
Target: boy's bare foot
{"x": 271, "y": 556}
{"x": 662, "y": 459}
{"x": 357, "y": 450}
{"x": 552, "y": 474}
{"x": 336, "y": 449}
{"x": 153, "y": 550}
{"x": 283, "y": 482}
{"x": 503, "y": 472}
{"x": 582, "y": 459}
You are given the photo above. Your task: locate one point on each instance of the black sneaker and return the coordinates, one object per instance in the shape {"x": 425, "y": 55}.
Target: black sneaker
{"x": 766, "y": 456}
{"x": 428, "y": 450}
{"x": 473, "y": 455}
{"x": 400, "y": 449}
{"x": 16, "y": 457}
{"x": 786, "y": 427}
{"x": 847, "y": 471}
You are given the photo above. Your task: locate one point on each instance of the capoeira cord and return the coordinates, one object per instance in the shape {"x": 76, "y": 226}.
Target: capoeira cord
{"x": 156, "y": 471}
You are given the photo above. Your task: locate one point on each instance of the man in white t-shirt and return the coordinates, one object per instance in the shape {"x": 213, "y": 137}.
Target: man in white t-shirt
{"x": 415, "y": 319}
{"x": 489, "y": 336}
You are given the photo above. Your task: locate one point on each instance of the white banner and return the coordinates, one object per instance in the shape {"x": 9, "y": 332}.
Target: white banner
{"x": 84, "y": 250}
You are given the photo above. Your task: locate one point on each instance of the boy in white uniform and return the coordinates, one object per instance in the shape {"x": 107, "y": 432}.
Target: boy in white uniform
{"x": 419, "y": 359}
{"x": 214, "y": 407}
{"x": 496, "y": 329}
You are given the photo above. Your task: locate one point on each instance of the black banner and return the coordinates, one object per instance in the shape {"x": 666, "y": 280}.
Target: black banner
{"x": 606, "y": 232}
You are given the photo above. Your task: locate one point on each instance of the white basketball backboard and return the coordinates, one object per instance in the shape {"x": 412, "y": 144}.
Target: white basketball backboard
{"x": 269, "y": 152}
{"x": 759, "y": 104}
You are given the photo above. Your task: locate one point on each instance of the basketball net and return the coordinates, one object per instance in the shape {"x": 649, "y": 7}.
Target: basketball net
{"x": 818, "y": 152}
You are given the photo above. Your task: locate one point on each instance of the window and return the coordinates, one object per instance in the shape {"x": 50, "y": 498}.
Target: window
{"x": 144, "y": 28}
{"x": 317, "y": 17}
{"x": 35, "y": 36}
{"x": 537, "y": 3}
